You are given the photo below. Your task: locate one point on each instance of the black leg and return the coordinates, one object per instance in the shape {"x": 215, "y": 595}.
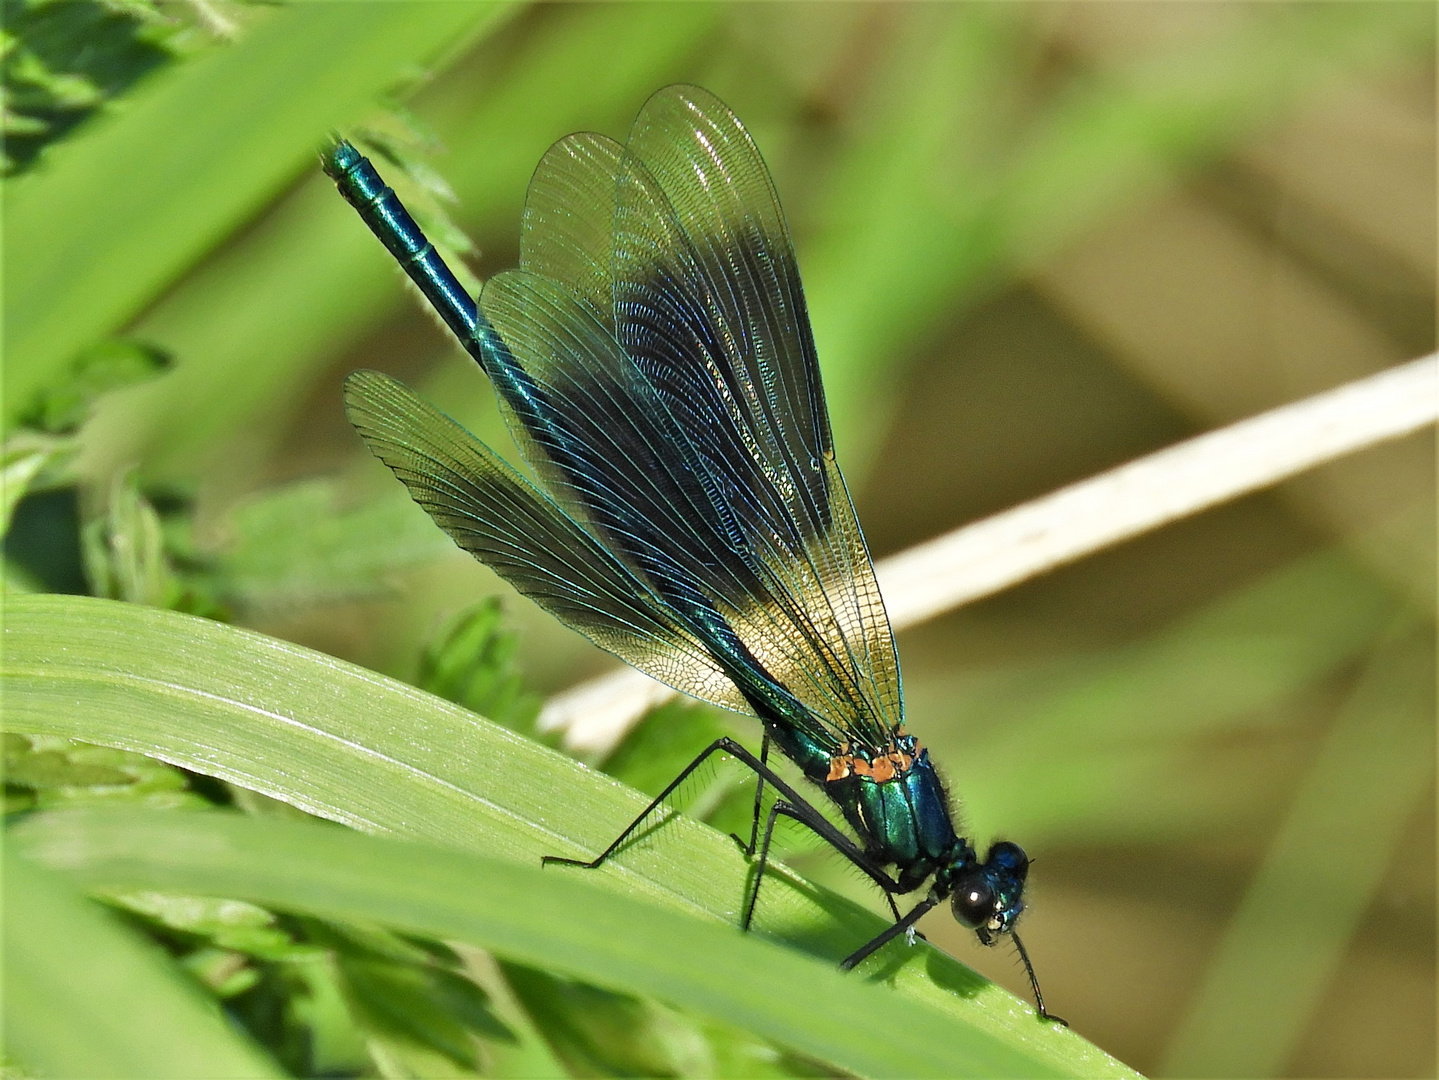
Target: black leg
{"x": 790, "y": 804}
{"x": 890, "y": 933}
{"x": 795, "y": 806}
{"x": 752, "y": 892}
{"x": 748, "y": 849}
{"x": 808, "y": 816}
{"x": 893, "y": 907}
{"x": 726, "y": 745}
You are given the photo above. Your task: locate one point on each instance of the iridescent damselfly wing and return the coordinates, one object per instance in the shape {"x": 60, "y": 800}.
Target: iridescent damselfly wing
{"x": 653, "y": 358}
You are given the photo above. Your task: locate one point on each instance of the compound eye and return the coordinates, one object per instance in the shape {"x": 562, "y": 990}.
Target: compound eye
{"x": 973, "y": 902}
{"x": 1009, "y": 858}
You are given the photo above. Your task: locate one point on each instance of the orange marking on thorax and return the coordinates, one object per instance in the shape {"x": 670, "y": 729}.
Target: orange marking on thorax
{"x": 894, "y": 762}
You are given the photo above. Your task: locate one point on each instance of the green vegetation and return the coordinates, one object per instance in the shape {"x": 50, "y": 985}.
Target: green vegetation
{"x": 274, "y": 793}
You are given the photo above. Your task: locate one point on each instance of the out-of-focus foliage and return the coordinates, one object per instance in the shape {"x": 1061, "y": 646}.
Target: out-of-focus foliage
{"x": 45, "y": 772}
{"x": 305, "y": 544}
{"x": 86, "y": 998}
{"x": 65, "y": 61}
{"x": 1037, "y": 240}
{"x": 110, "y": 365}
{"x": 470, "y": 662}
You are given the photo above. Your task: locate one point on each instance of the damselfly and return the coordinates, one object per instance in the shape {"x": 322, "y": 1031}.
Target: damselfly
{"x": 654, "y": 360}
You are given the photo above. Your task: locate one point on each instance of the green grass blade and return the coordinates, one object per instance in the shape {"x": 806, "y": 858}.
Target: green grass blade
{"x": 255, "y": 324}
{"x": 547, "y": 919}
{"x": 126, "y": 206}
{"x": 86, "y": 998}
{"x": 356, "y": 747}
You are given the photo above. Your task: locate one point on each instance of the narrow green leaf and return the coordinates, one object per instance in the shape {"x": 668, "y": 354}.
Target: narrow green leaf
{"x": 256, "y": 322}
{"x": 128, "y": 204}
{"x": 85, "y": 998}
{"x": 557, "y": 921}
{"x": 353, "y": 746}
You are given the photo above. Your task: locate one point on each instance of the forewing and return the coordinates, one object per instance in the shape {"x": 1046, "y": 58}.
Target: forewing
{"x": 493, "y": 513}
{"x": 615, "y": 457}
{"x": 709, "y": 306}
{"x": 569, "y": 216}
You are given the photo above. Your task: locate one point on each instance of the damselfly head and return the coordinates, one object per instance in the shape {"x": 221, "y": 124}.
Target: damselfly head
{"x": 987, "y": 897}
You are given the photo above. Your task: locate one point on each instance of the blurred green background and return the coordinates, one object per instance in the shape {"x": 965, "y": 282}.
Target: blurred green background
{"x": 1037, "y": 240}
